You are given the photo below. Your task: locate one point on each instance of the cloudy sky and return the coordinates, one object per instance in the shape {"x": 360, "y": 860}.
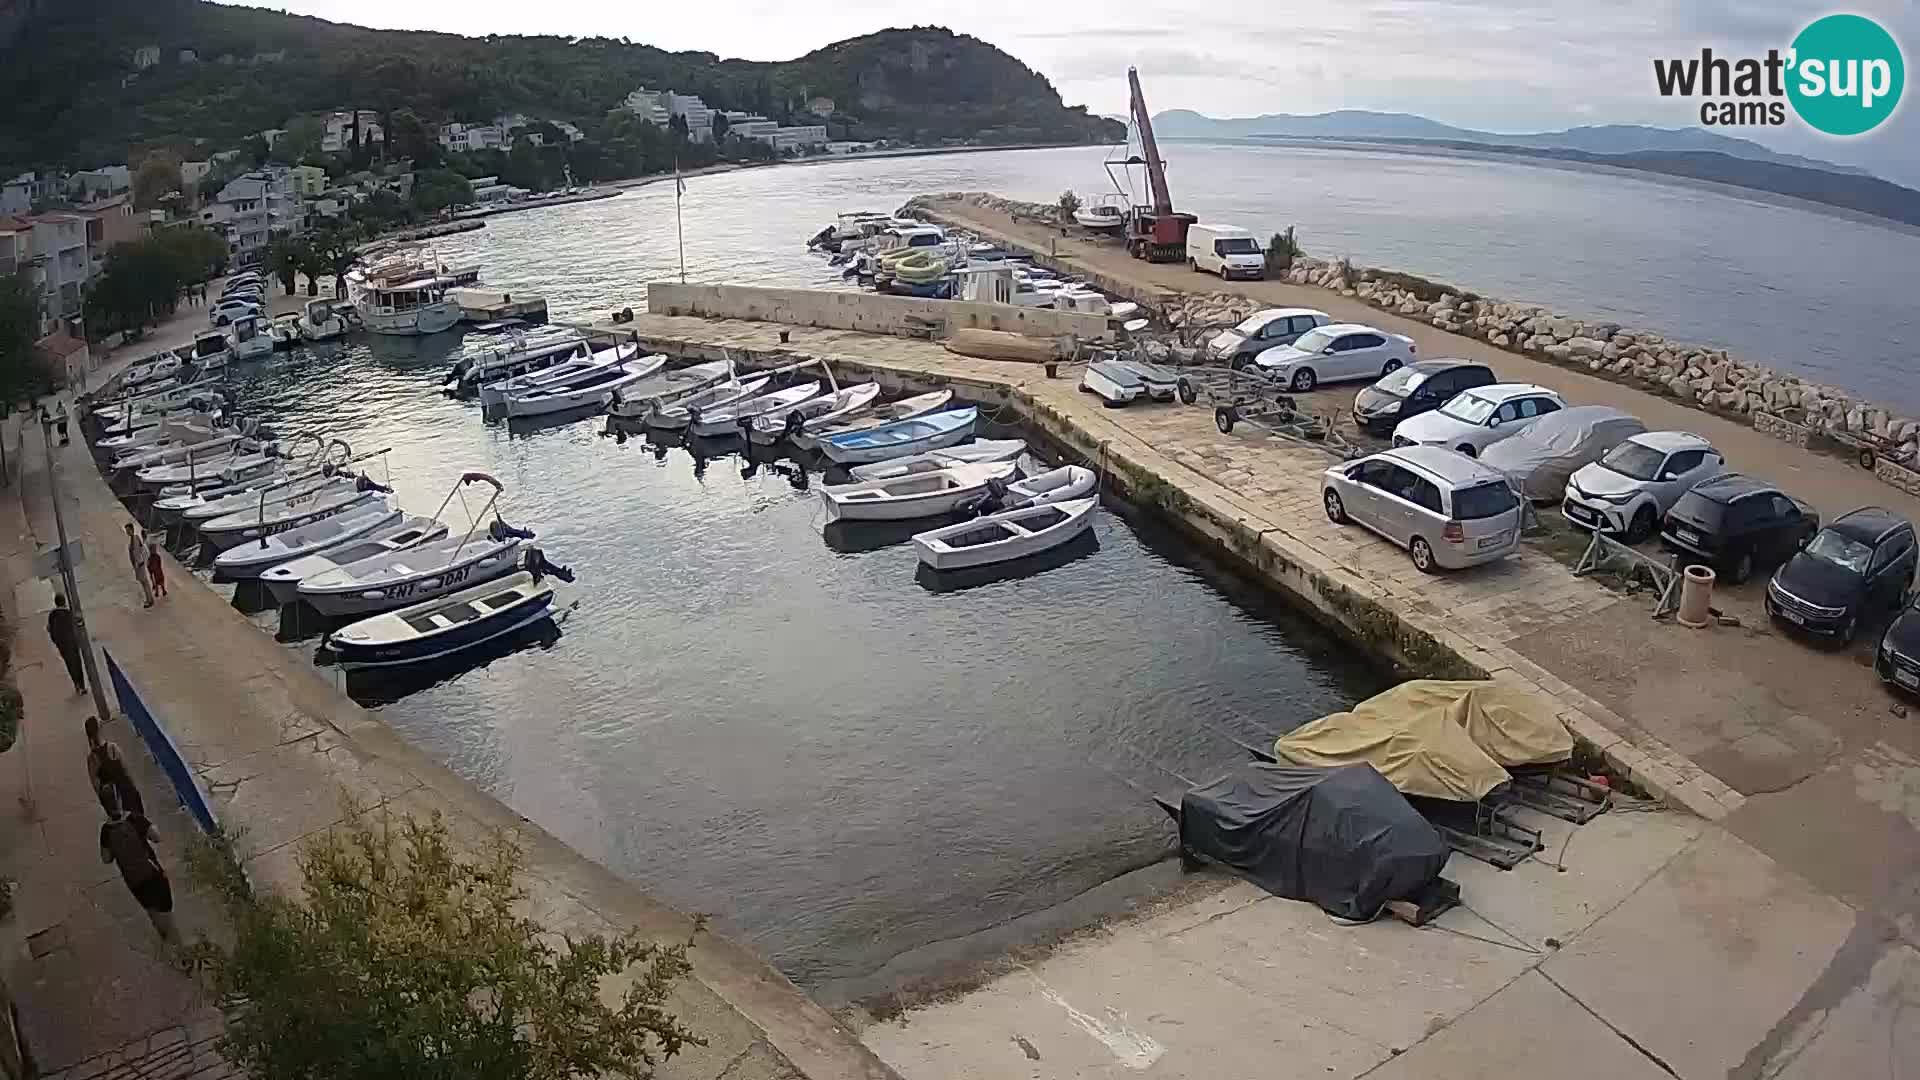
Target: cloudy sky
{"x": 1503, "y": 65}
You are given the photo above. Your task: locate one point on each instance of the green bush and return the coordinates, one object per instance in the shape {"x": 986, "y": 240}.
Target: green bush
{"x": 12, "y": 709}
{"x": 1282, "y": 249}
{"x": 1069, "y": 202}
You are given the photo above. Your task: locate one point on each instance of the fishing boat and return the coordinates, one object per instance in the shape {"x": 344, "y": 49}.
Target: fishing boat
{"x": 916, "y": 496}
{"x": 1106, "y": 214}
{"x": 675, "y": 416}
{"x": 252, "y": 558}
{"x": 518, "y": 353}
{"x": 164, "y": 366}
{"x": 444, "y": 625}
{"x": 727, "y": 419}
{"x": 665, "y": 387}
{"x": 580, "y": 392}
{"x": 898, "y": 439}
{"x": 325, "y": 320}
{"x": 1038, "y": 486}
{"x": 266, "y": 518}
{"x": 980, "y": 450}
{"x": 283, "y": 581}
{"x": 576, "y": 364}
{"x": 126, "y": 421}
{"x": 408, "y": 308}
{"x": 826, "y": 410}
{"x": 1010, "y": 534}
{"x": 904, "y": 409}
{"x": 251, "y": 338}
{"x": 422, "y": 571}
{"x": 240, "y": 457}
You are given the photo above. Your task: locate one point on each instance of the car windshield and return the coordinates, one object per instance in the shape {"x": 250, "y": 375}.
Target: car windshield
{"x": 1483, "y": 501}
{"x": 1238, "y": 245}
{"x": 1470, "y": 408}
{"x": 1251, "y": 325}
{"x": 1403, "y": 381}
{"x": 1633, "y": 460}
{"x": 1313, "y": 341}
{"x": 1840, "y": 550}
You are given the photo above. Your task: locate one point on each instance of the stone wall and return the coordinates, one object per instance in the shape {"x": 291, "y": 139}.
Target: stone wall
{"x": 1699, "y": 375}
{"x": 900, "y": 316}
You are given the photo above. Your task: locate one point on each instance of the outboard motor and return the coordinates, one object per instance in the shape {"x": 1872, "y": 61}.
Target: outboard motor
{"x": 498, "y": 530}
{"x": 992, "y": 501}
{"x": 537, "y": 564}
{"x": 367, "y": 483}
{"x": 795, "y": 422}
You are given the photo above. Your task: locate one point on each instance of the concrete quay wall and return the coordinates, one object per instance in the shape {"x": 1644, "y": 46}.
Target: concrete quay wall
{"x": 1419, "y": 636}
{"x": 901, "y": 316}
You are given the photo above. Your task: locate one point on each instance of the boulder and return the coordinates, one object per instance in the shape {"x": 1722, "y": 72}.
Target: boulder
{"x": 1560, "y": 353}
{"x": 1585, "y": 346}
{"x": 1680, "y": 388}
{"x": 1501, "y": 340}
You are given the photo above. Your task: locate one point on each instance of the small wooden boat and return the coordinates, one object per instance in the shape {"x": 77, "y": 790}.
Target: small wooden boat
{"x": 979, "y": 450}
{"x": 265, "y": 520}
{"x": 725, "y": 419}
{"x": 665, "y": 387}
{"x": 904, "y": 409}
{"x": 825, "y": 410}
{"x": 283, "y": 581}
{"x": 676, "y": 415}
{"x": 919, "y": 495}
{"x": 917, "y": 436}
{"x": 1011, "y": 534}
{"x": 1052, "y": 486}
{"x": 515, "y": 354}
{"x": 250, "y": 559}
{"x": 443, "y": 626}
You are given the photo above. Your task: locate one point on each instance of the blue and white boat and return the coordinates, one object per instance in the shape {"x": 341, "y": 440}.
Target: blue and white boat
{"x": 915, "y": 436}
{"x": 443, "y": 626}
{"x": 423, "y": 570}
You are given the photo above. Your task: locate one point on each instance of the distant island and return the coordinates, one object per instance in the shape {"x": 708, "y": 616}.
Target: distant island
{"x": 1686, "y": 153}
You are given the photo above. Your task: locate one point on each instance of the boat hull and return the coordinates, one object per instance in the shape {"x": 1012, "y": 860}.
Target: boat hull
{"x": 1004, "y": 537}
{"x": 984, "y": 451}
{"x": 368, "y": 597}
{"x": 423, "y": 320}
{"x": 353, "y": 656}
{"x": 253, "y": 559}
{"x": 863, "y": 452}
{"x": 907, "y": 498}
{"x": 223, "y": 533}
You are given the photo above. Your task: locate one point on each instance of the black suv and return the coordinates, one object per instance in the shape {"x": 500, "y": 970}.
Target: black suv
{"x": 1414, "y": 389}
{"x": 1856, "y": 568}
{"x": 1735, "y": 524}
{"x": 1897, "y": 661}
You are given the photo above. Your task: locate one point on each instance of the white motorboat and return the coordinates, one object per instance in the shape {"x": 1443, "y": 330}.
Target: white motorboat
{"x": 210, "y": 506}
{"x": 267, "y": 518}
{"x": 283, "y": 581}
{"x": 1106, "y": 214}
{"x": 151, "y": 398}
{"x": 325, "y": 320}
{"x": 825, "y": 410}
{"x": 1010, "y": 534}
{"x": 586, "y": 391}
{"x": 517, "y": 353}
{"x": 255, "y": 556}
{"x": 152, "y": 428}
{"x": 195, "y": 440}
{"x": 420, "y": 572}
{"x": 164, "y": 366}
{"x": 901, "y": 438}
{"x": 1039, "y": 487}
{"x": 241, "y": 457}
{"x": 726, "y": 419}
{"x": 980, "y": 450}
{"x": 575, "y": 365}
{"x": 211, "y": 350}
{"x": 1114, "y": 384}
{"x": 904, "y": 409}
{"x": 172, "y": 502}
{"x": 919, "y": 495}
{"x": 665, "y": 387}
{"x": 285, "y": 330}
{"x": 408, "y": 308}
{"x": 443, "y": 626}
{"x": 675, "y": 416}
{"x": 117, "y": 422}
{"x": 252, "y": 339}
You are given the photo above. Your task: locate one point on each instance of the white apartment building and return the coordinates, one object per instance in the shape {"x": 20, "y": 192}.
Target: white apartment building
{"x": 250, "y": 209}
{"x": 339, "y": 130}
{"x": 466, "y": 137}
{"x": 659, "y": 107}
{"x": 653, "y": 106}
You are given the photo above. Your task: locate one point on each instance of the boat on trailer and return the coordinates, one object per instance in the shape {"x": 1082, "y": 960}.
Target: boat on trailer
{"x": 1008, "y": 535}
{"x": 443, "y": 626}
{"x": 1121, "y": 382}
{"x": 919, "y": 495}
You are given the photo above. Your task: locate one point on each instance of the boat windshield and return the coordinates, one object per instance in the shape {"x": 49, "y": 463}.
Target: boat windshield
{"x": 1840, "y": 550}
{"x": 1469, "y": 408}
{"x": 1633, "y": 460}
{"x": 209, "y": 346}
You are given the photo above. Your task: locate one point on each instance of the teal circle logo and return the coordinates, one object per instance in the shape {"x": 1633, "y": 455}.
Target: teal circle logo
{"x": 1846, "y": 76}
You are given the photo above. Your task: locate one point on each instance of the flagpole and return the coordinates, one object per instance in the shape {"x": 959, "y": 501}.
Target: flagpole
{"x": 679, "y": 225}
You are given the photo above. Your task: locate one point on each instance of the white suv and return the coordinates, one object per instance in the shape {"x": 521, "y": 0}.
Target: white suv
{"x": 226, "y": 311}
{"x": 1476, "y": 419}
{"x": 1628, "y": 491}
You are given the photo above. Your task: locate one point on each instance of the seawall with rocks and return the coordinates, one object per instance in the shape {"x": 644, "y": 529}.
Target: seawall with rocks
{"x": 1699, "y": 375}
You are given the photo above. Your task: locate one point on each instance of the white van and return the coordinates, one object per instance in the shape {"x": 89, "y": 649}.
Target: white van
{"x": 1227, "y": 250}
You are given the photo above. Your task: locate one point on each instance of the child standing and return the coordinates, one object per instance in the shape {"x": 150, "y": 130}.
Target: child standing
{"x": 156, "y": 569}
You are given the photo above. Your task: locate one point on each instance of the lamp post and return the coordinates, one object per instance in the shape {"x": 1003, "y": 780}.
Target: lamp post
{"x": 72, "y": 585}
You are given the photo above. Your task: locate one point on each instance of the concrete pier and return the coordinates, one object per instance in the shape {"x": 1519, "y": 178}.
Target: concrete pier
{"x": 493, "y": 305}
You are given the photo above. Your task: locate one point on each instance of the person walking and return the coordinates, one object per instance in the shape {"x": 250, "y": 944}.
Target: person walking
{"x": 65, "y": 633}
{"x": 60, "y": 422}
{"x": 156, "y": 567}
{"x": 107, "y": 771}
{"x": 137, "y": 555}
{"x": 126, "y": 841}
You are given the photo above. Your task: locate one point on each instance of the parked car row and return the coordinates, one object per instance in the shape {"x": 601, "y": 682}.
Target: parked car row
{"x": 243, "y": 296}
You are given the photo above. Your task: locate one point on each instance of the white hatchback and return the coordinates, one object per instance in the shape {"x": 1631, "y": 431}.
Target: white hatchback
{"x": 1476, "y": 419}
{"x": 1336, "y": 352}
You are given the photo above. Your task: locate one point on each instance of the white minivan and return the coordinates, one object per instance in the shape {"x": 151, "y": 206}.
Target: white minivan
{"x": 1227, "y": 250}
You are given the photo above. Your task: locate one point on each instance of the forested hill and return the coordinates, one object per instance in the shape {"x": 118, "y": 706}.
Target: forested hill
{"x": 70, "y": 94}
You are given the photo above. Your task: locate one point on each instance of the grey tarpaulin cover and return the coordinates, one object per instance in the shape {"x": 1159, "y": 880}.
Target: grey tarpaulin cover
{"x": 1342, "y": 838}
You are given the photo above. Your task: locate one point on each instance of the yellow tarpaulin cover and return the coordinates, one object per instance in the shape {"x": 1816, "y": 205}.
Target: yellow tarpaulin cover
{"x": 1442, "y": 740}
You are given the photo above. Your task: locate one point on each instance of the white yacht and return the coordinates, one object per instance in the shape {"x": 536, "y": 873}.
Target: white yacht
{"x": 408, "y": 308}
{"x": 211, "y": 349}
{"x": 252, "y": 338}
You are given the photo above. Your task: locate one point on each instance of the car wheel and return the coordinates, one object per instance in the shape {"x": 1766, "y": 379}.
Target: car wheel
{"x": 1304, "y": 380}
{"x": 1644, "y": 522}
{"x": 1847, "y": 630}
{"x": 1742, "y": 568}
{"x": 1336, "y": 511}
{"x": 222, "y": 321}
{"x": 1422, "y": 553}
{"x": 1467, "y": 449}
{"x": 1391, "y": 367}
{"x": 1193, "y": 265}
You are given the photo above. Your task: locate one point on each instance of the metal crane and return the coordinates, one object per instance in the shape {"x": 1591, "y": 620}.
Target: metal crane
{"x": 1156, "y": 233}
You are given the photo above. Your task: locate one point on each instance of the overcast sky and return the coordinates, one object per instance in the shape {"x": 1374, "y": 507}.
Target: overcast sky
{"x": 1517, "y": 65}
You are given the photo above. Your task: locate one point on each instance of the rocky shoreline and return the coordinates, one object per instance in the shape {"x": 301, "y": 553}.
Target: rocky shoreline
{"x": 1699, "y": 375}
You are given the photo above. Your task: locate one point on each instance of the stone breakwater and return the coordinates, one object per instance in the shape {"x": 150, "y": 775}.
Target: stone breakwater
{"x": 1699, "y": 375}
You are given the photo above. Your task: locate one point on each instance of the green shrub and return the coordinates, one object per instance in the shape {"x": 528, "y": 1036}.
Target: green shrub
{"x": 1282, "y": 249}
{"x": 1069, "y": 202}
{"x": 11, "y": 711}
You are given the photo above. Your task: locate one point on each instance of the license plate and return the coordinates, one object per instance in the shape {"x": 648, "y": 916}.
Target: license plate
{"x": 1492, "y": 541}
{"x": 1688, "y": 535}
{"x": 1906, "y": 678}
{"x": 1793, "y": 617}
{"x": 1578, "y": 513}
